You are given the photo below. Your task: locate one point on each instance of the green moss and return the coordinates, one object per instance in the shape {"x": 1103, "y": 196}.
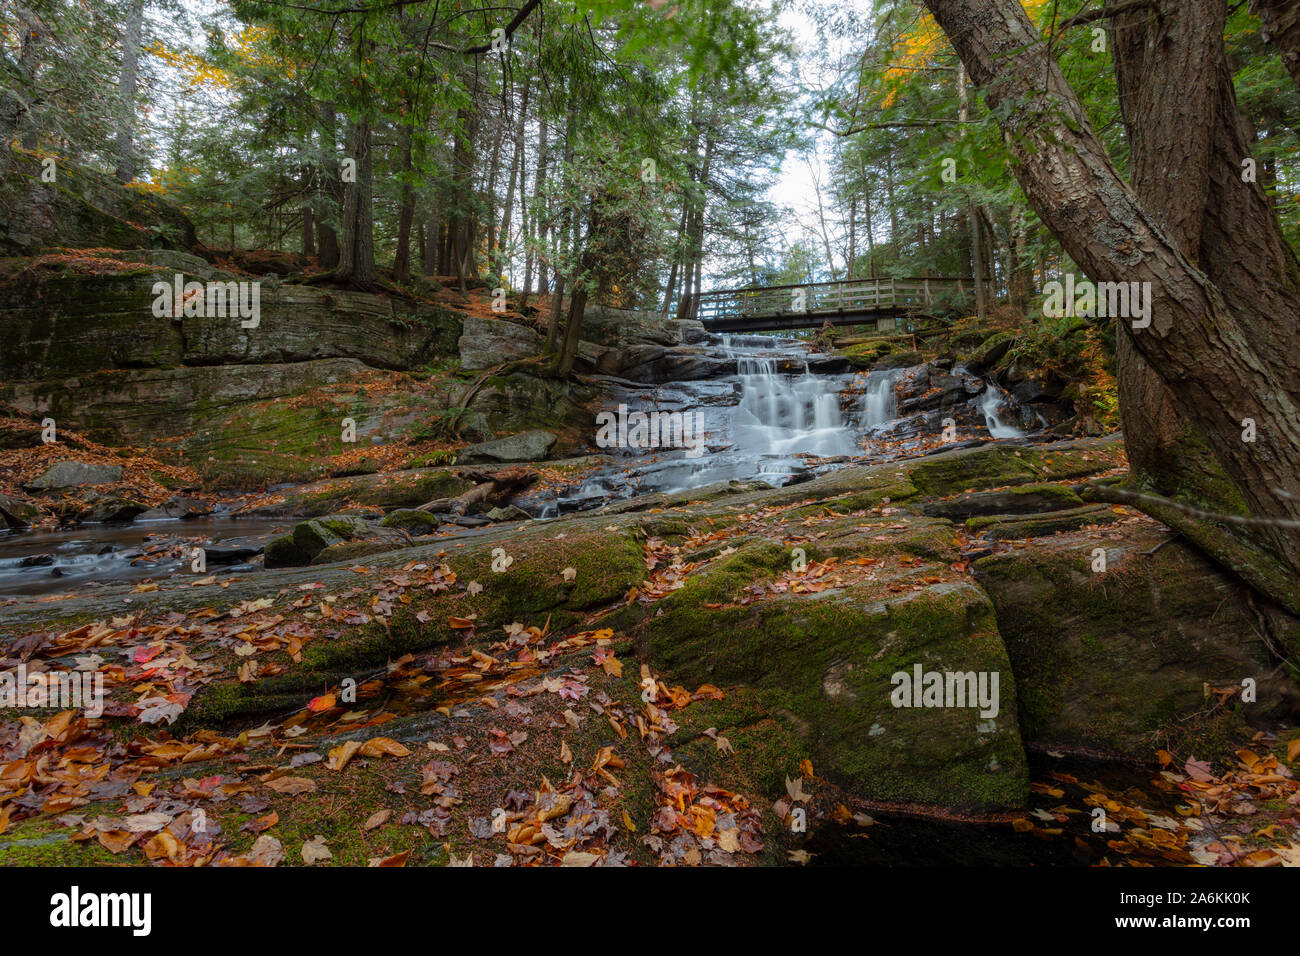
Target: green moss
{"x": 408, "y": 519}
{"x": 828, "y": 659}
{"x": 532, "y": 590}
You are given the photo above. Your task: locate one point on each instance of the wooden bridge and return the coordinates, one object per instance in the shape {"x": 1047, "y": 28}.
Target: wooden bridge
{"x": 881, "y": 301}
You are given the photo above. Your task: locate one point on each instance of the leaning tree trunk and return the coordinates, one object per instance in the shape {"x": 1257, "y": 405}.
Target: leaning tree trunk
{"x": 1224, "y": 346}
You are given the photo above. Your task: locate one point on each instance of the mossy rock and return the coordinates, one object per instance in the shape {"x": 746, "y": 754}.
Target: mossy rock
{"x": 990, "y": 351}
{"x": 827, "y": 659}
{"x": 352, "y": 550}
{"x": 1002, "y": 527}
{"x": 409, "y": 519}
{"x": 531, "y": 590}
{"x": 284, "y": 552}
{"x": 1112, "y": 659}
{"x": 1021, "y": 499}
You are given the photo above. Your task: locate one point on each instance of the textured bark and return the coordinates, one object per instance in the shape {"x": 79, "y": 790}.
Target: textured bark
{"x": 1281, "y": 20}
{"x": 503, "y": 235}
{"x": 1223, "y": 346}
{"x": 357, "y": 251}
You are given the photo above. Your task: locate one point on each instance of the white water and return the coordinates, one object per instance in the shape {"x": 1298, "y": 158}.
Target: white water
{"x": 880, "y": 405}
{"x": 989, "y": 405}
{"x": 783, "y": 414}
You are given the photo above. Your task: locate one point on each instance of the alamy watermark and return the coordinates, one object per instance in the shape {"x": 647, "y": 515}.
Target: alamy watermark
{"x": 923, "y": 688}
{"x": 624, "y": 429}
{"x": 213, "y": 300}
{"x": 1085, "y": 298}
{"x": 64, "y": 690}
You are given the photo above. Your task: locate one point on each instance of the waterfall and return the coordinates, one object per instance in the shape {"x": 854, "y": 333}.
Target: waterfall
{"x": 880, "y": 405}
{"x": 989, "y": 405}
{"x": 781, "y": 414}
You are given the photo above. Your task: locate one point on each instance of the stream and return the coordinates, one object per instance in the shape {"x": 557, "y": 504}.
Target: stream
{"x": 781, "y": 418}
{"x": 784, "y": 415}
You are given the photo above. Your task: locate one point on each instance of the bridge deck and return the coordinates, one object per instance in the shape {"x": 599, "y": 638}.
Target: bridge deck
{"x": 852, "y": 302}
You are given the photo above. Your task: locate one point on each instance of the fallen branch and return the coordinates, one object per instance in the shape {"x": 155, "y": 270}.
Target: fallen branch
{"x": 491, "y": 489}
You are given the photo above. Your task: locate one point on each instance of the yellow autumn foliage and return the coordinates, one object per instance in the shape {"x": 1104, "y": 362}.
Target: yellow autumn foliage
{"x": 917, "y": 49}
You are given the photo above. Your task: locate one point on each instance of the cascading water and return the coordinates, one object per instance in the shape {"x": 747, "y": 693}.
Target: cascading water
{"x": 879, "y": 404}
{"x": 780, "y": 414}
{"x": 989, "y": 404}
{"x": 776, "y": 418}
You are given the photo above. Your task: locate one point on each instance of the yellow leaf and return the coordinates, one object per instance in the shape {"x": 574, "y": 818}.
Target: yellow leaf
{"x": 340, "y": 755}
{"x": 383, "y": 746}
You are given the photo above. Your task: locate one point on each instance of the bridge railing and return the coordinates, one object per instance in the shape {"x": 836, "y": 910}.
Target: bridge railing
{"x": 831, "y": 298}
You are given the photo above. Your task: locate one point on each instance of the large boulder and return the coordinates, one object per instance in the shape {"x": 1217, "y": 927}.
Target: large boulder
{"x": 82, "y": 209}
{"x": 138, "y": 405}
{"x": 96, "y": 313}
{"x": 824, "y": 660}
{"x": 1114, "y": 658}
{"x": 74, "y": 474}
{"x": 485, "y": 343}
{"x": 16, "y": 514}
{"x": 322, "y": 540}
{"x": 525, "y": 446}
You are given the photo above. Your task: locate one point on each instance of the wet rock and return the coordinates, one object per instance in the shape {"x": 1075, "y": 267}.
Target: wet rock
{"x": 36, "y": 561}
{"x": 178, "y": 507}
{"x": 525, "y": 446}
{"x": 465, "y": 521}
{"x": 73, "y": 474}
{"x": 229, "y": 552}
{"x": 926, "y": 388}
{"x": 309, "y": 538}
{"x": 16, "y": 513}
{"x": 1031, "y": 391}
{"x": 508, "y": 513}
{"x": 97, "y": 506}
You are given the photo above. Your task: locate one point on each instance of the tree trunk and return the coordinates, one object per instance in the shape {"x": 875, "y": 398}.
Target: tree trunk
{"x": 327, "y": 240}
{"x": 504, "y": 235}
{"x": 124, "y": 144}
{"x": 406, "y": 211}
{"x": 972, "y": 209}
{"x": 553, "y": 329}
{"x": 1281, "y": 20}
{"x": 357, "y": 252}
{"x": 1223, "y": 345}
{"x": 540, "y": 224}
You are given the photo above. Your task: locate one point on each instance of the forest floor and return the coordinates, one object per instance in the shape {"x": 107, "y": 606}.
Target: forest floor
{"x": 491, "y": 723}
